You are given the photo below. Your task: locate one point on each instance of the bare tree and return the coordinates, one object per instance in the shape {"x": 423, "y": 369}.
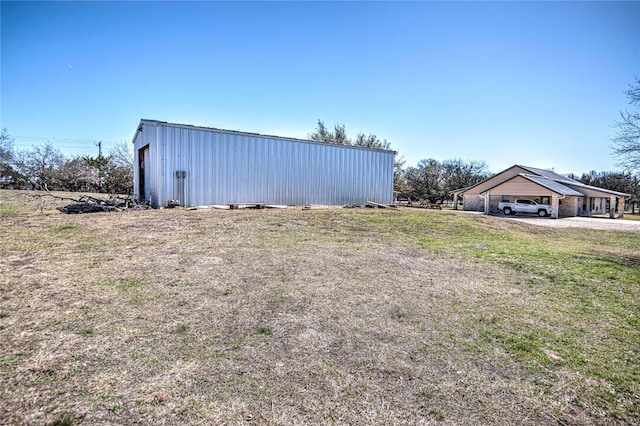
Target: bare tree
{"x": 121, "y": 155}
{"x": 40, "y": 166}
{"x": 626, "y": 144}
{"x": 9, "y": 177}
{"x": 120, "y": 169}
{"x": 78, "y": 175}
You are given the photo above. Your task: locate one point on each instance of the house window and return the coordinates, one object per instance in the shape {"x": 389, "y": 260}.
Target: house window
{"x": 505, "y": 199}
{"x": 545, "y": 200}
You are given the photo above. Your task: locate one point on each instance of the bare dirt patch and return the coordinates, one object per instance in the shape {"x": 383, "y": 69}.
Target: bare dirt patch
{"x": 603, "y": 224}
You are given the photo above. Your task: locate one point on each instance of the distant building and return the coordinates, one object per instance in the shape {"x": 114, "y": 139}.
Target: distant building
{"x": 567, "y": 197}
{"x": 201, "y": 166}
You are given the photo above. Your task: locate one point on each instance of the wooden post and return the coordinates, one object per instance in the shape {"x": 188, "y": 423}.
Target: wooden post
{"x": 455, "y": 201}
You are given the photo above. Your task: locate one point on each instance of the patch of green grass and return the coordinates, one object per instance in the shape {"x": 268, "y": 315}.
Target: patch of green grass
{"x": 265, "y": 330}
{"x": 64, "y": 419}
{"x": 437, "y": 414}
{"x": 85, "y": 331}
{"x": 587, "y": 283}
{"x": 14, "y": 209}
{"x": 426, "y": 394}
{"x": 630, "y": 216}
{"x": 181, "y": 329}
{"x": 65, "y": 228}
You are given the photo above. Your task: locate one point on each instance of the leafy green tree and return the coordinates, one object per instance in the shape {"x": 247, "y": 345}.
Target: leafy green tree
{"x": 427, "y": 181}
{"x": 626, "y": 144}
{"x": 400, "y": 185}
{"x": 434, "y": 181}
{"x": 461, "y": 174}
{"x": 371, "y": 141}
{"x": 339, "y": 137}
{"x": 615, "y": 181}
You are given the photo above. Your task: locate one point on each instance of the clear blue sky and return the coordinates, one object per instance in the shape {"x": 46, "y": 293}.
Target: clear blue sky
{"x": 534, "y": 83}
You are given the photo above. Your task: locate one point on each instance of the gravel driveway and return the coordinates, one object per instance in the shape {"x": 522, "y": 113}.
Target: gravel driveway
{"x": 622, "y": 225}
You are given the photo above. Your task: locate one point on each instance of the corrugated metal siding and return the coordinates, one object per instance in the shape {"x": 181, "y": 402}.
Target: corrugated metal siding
{"x": 223, "y": 167}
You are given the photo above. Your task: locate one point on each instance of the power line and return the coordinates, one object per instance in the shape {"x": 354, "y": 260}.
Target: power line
{"x": 42, "y": 139}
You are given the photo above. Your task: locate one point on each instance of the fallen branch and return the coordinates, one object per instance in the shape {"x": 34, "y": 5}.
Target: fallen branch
{"x": 89, "y": 204}
{"x": 83, "y": 204}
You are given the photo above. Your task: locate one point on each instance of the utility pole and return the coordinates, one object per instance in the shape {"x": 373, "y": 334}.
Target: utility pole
{"x": 99, "y": 149}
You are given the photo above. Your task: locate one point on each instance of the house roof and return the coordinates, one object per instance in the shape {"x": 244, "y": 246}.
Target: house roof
{"x": 549, "y": 179}
{"x": 581, "y": 185}
{"x": 549, "y": 174}
{"x": 552, "y": 185}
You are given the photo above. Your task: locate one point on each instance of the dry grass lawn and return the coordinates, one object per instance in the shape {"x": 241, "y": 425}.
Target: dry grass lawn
{"x": 340, "y": 316}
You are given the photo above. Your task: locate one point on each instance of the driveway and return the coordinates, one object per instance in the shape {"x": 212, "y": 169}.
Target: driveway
{"x": 622, "y": 225}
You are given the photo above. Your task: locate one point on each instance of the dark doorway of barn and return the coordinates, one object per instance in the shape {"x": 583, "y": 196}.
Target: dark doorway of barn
{"x": 144, "y": 173}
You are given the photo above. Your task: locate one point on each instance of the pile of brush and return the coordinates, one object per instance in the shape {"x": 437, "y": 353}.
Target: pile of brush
{"x": 89, "y": 204}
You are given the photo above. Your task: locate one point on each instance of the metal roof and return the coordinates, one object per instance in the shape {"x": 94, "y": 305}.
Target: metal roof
{"x": 549, "y": 174}
{"x": 596, "y": 188}
{"x": 552, "y": 185}
{"x": 238, "y": 132}
{"x": 551, "y": 180}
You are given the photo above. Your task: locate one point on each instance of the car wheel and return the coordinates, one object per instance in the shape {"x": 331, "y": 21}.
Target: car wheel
{"x": 507, "y": 211}
{"x": 542, "y": 213}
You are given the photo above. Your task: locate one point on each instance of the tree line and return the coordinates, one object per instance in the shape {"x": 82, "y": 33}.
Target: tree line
{"x": 435, "y": 180}
{"x": 44, "y": 167}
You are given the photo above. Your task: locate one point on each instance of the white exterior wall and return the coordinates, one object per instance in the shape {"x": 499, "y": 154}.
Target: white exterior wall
{"x": 225, "y": 167}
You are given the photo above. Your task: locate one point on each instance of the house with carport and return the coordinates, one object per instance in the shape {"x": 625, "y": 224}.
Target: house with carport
{"x": 567, "y": 197}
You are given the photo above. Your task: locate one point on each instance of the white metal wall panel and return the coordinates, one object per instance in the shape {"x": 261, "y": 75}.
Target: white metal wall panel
{"x": 225, "y": 167}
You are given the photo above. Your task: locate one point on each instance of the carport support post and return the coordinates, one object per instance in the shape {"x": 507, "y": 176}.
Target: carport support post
{"x": 455, "y": 201}
{"x": 555, "y": 206}
{"x": 621, "y": 207}
{"x": 487, "y": 196}
{"x": 612, "y": 207}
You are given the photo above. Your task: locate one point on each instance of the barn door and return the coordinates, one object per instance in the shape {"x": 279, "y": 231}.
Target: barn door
{"x": 144, "y": 174}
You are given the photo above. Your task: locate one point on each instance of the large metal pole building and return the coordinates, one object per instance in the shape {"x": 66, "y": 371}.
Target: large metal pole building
{"x": 201, "y": 166}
